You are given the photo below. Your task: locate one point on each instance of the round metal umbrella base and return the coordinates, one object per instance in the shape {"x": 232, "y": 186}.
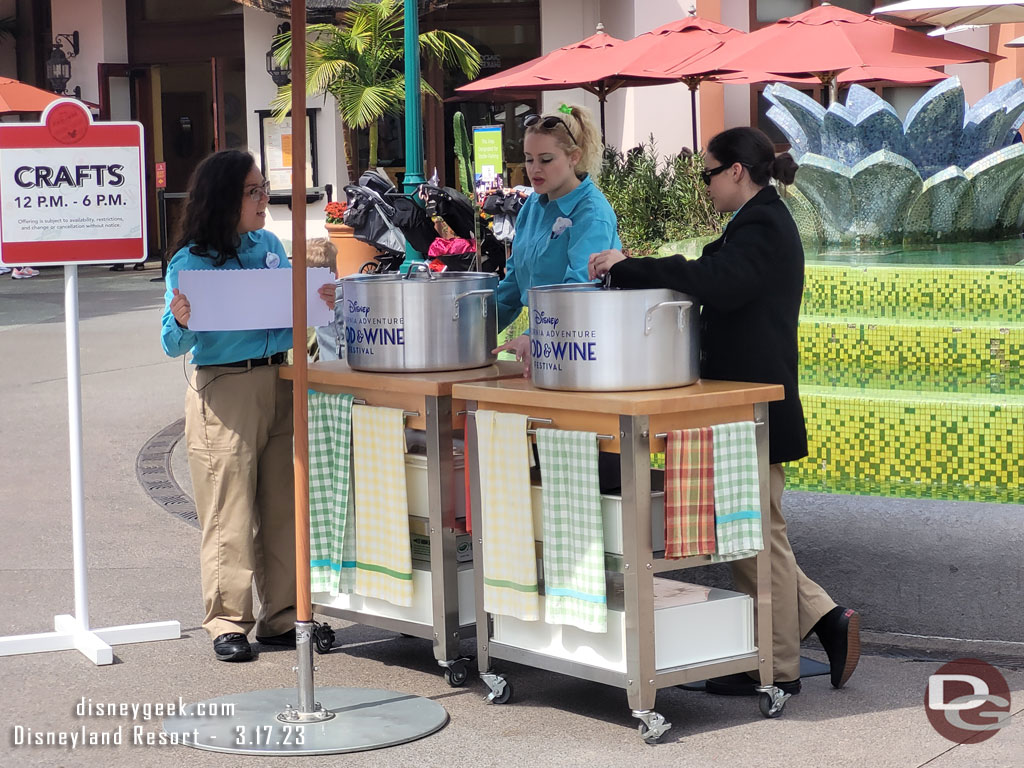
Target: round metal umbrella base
{"x": 361, "y": 719}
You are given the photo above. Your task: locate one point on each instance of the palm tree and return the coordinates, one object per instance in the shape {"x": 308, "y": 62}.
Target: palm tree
{"x": 360, "y": 64}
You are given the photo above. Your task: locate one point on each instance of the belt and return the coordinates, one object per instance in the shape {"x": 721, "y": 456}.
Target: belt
{"x": 255, "y": 362}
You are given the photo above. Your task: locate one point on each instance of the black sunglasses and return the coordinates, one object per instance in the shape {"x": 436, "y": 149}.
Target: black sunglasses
{"x": 548, "y": 123}
{"x": 706, "y": 174}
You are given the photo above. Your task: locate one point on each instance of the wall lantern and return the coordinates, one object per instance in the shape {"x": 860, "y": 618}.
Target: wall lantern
{"x": 58, "y": 65}
{"x": 279, "y": 74}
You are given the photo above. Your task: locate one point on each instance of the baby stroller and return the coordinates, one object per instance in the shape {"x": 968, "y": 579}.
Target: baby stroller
{"x": 458, "y": 213}
{"x": 503, "y": 206}
{"x": 372, "y": 220}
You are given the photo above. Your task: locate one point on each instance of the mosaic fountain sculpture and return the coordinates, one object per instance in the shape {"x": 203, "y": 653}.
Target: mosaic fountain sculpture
{"x": 869, "y": 179}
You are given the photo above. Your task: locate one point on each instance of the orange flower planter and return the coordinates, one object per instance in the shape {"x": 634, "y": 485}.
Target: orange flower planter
{"x": 352, "y": 253}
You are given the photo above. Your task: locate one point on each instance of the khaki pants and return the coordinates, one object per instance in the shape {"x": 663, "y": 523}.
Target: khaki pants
{"x": 238, "y": 429}
{"x": 797, "y": 602}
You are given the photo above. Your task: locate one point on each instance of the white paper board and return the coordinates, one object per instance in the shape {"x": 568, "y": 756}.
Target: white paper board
{"x": 250, "y": 299}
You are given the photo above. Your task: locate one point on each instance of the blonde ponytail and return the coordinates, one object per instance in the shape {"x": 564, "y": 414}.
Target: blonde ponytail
{"x": 588, "y": 138}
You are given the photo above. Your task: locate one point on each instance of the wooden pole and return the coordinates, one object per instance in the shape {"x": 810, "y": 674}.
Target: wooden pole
{"x": 300, "y": 398}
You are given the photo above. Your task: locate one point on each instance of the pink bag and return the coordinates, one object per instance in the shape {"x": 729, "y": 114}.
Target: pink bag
{"x": 451, "y": 247}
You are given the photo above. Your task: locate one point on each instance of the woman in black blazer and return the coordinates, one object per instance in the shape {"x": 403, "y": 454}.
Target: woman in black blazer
{"x": 749, "y": 283}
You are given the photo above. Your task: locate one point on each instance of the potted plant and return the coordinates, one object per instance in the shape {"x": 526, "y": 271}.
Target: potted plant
{"x": 352, "y": 253}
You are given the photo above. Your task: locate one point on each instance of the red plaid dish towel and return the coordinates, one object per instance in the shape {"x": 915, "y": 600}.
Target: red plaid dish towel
{"x": 689, "y": 493}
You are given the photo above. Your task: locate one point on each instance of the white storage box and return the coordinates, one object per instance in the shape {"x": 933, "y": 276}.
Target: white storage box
{"x": 421, "y": 610}
{"x": 416, "y": 485}
{"x": 611, "y": 513}
{"x": 692, "y": 624}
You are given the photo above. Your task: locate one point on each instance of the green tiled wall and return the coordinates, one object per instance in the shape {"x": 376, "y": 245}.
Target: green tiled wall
{"x": 912, "y": 381}
{"x": 910, "y": 345}
{"x": 915, "y": 292}
{"x": 912, "y": 444}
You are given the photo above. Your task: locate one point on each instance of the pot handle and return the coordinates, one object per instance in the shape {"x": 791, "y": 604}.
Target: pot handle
{"x": 418, "y": 267}
{"x": 682, "y": 307}
{"x": 483, "y": 292}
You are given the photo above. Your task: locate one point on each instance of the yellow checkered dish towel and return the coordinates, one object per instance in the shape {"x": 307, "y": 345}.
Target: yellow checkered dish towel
{"x": 383, "y": 549}
{"x": 510, "y": 556}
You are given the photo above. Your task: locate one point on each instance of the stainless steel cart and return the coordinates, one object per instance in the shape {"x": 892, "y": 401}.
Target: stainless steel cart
{"x": 427, "y": 399}
{"x": 635, "y": 423}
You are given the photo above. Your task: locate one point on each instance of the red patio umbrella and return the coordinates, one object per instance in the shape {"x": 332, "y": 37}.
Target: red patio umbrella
{"x": 823, "y": 42}
{"x": 906, "y": 75}
{"x": 668, "y": 44}
{"x": 16, "y": 96}
{"x": 594, "y": 64}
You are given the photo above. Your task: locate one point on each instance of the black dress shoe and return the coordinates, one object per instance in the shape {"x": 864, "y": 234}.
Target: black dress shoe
{"x": 284, "y": 640}
{"x": 741, "y": 684}
{"x": 232, "y": 646}
{"x": 839, "y": 633}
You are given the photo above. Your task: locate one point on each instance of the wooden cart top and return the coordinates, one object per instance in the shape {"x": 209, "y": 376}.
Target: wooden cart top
{"x": 336, "y": 373}
{"x": 704, "y": 395}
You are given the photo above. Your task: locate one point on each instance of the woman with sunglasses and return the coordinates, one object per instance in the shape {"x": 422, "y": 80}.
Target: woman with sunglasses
{"x": 564, "y": 221}
{"x": 238, "y": 416}
{"x": 749, "y": 283}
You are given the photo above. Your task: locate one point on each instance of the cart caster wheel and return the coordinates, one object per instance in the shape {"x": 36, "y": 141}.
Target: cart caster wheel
{"x": 652, "y": 726}
{"x": 369, "y": 268}
{"x": 323, "y": 638}
{"x": 505, "y": 696}
{"x": 456, "y": 675}
{"x": 500, "y": 688}
{"x": 771, "y": 703}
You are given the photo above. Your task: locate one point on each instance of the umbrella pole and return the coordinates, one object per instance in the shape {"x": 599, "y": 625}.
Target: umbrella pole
{"x": 693, "y": 114}
{"x": 300, "y": 399}
{"x": 830, "y": 87}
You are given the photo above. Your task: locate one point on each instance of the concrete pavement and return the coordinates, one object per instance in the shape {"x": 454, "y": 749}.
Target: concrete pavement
{"x": 143, "y": 567}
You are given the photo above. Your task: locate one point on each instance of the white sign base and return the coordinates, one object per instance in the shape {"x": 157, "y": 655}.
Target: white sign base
{"x": 94, "y": 644}
{"x": 72, "y": 632}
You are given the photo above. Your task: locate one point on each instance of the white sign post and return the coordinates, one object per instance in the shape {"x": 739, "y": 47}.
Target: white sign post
{"x": 72, "y": 192}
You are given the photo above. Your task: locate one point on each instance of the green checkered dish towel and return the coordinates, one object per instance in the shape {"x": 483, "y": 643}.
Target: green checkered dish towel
{"x": 332, "y": 539}
{"x": 574, "y": 578}
{"x": 737, "y": 492}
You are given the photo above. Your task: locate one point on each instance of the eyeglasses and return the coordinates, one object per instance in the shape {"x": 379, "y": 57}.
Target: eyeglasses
{"x": 707, "y": 173}
{"x": 258, "y": 191}
{"x": 548, "y": 123}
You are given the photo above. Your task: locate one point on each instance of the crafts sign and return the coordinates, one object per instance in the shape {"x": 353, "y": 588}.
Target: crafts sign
{"x": 71, "y": 191}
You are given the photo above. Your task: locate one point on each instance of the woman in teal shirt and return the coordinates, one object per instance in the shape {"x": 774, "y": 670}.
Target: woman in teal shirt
{"x": 564, "y": 221}
{"x": 238, "y": 416}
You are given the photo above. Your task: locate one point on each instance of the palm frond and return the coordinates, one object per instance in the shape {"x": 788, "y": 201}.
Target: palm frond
{"x": 451, "y": 51}
{"x": 321, "y": 76}
{"x": 282, "y": 103}
{"x": 361, "y": 105}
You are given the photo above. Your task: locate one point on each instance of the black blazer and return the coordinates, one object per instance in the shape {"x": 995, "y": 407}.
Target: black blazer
{"x": 749, "y": 282}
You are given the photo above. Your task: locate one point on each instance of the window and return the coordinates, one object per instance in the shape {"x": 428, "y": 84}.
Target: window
{"x": 770, "y": 11}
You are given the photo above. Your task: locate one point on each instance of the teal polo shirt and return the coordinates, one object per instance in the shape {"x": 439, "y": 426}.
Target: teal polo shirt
{"x": 553, "y": 243}
{"x": 219, "y": 347}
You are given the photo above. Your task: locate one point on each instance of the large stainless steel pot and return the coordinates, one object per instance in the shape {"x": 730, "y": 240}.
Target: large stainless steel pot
{"x": 588, "y": 338}
{"x": 421, "y": 321}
